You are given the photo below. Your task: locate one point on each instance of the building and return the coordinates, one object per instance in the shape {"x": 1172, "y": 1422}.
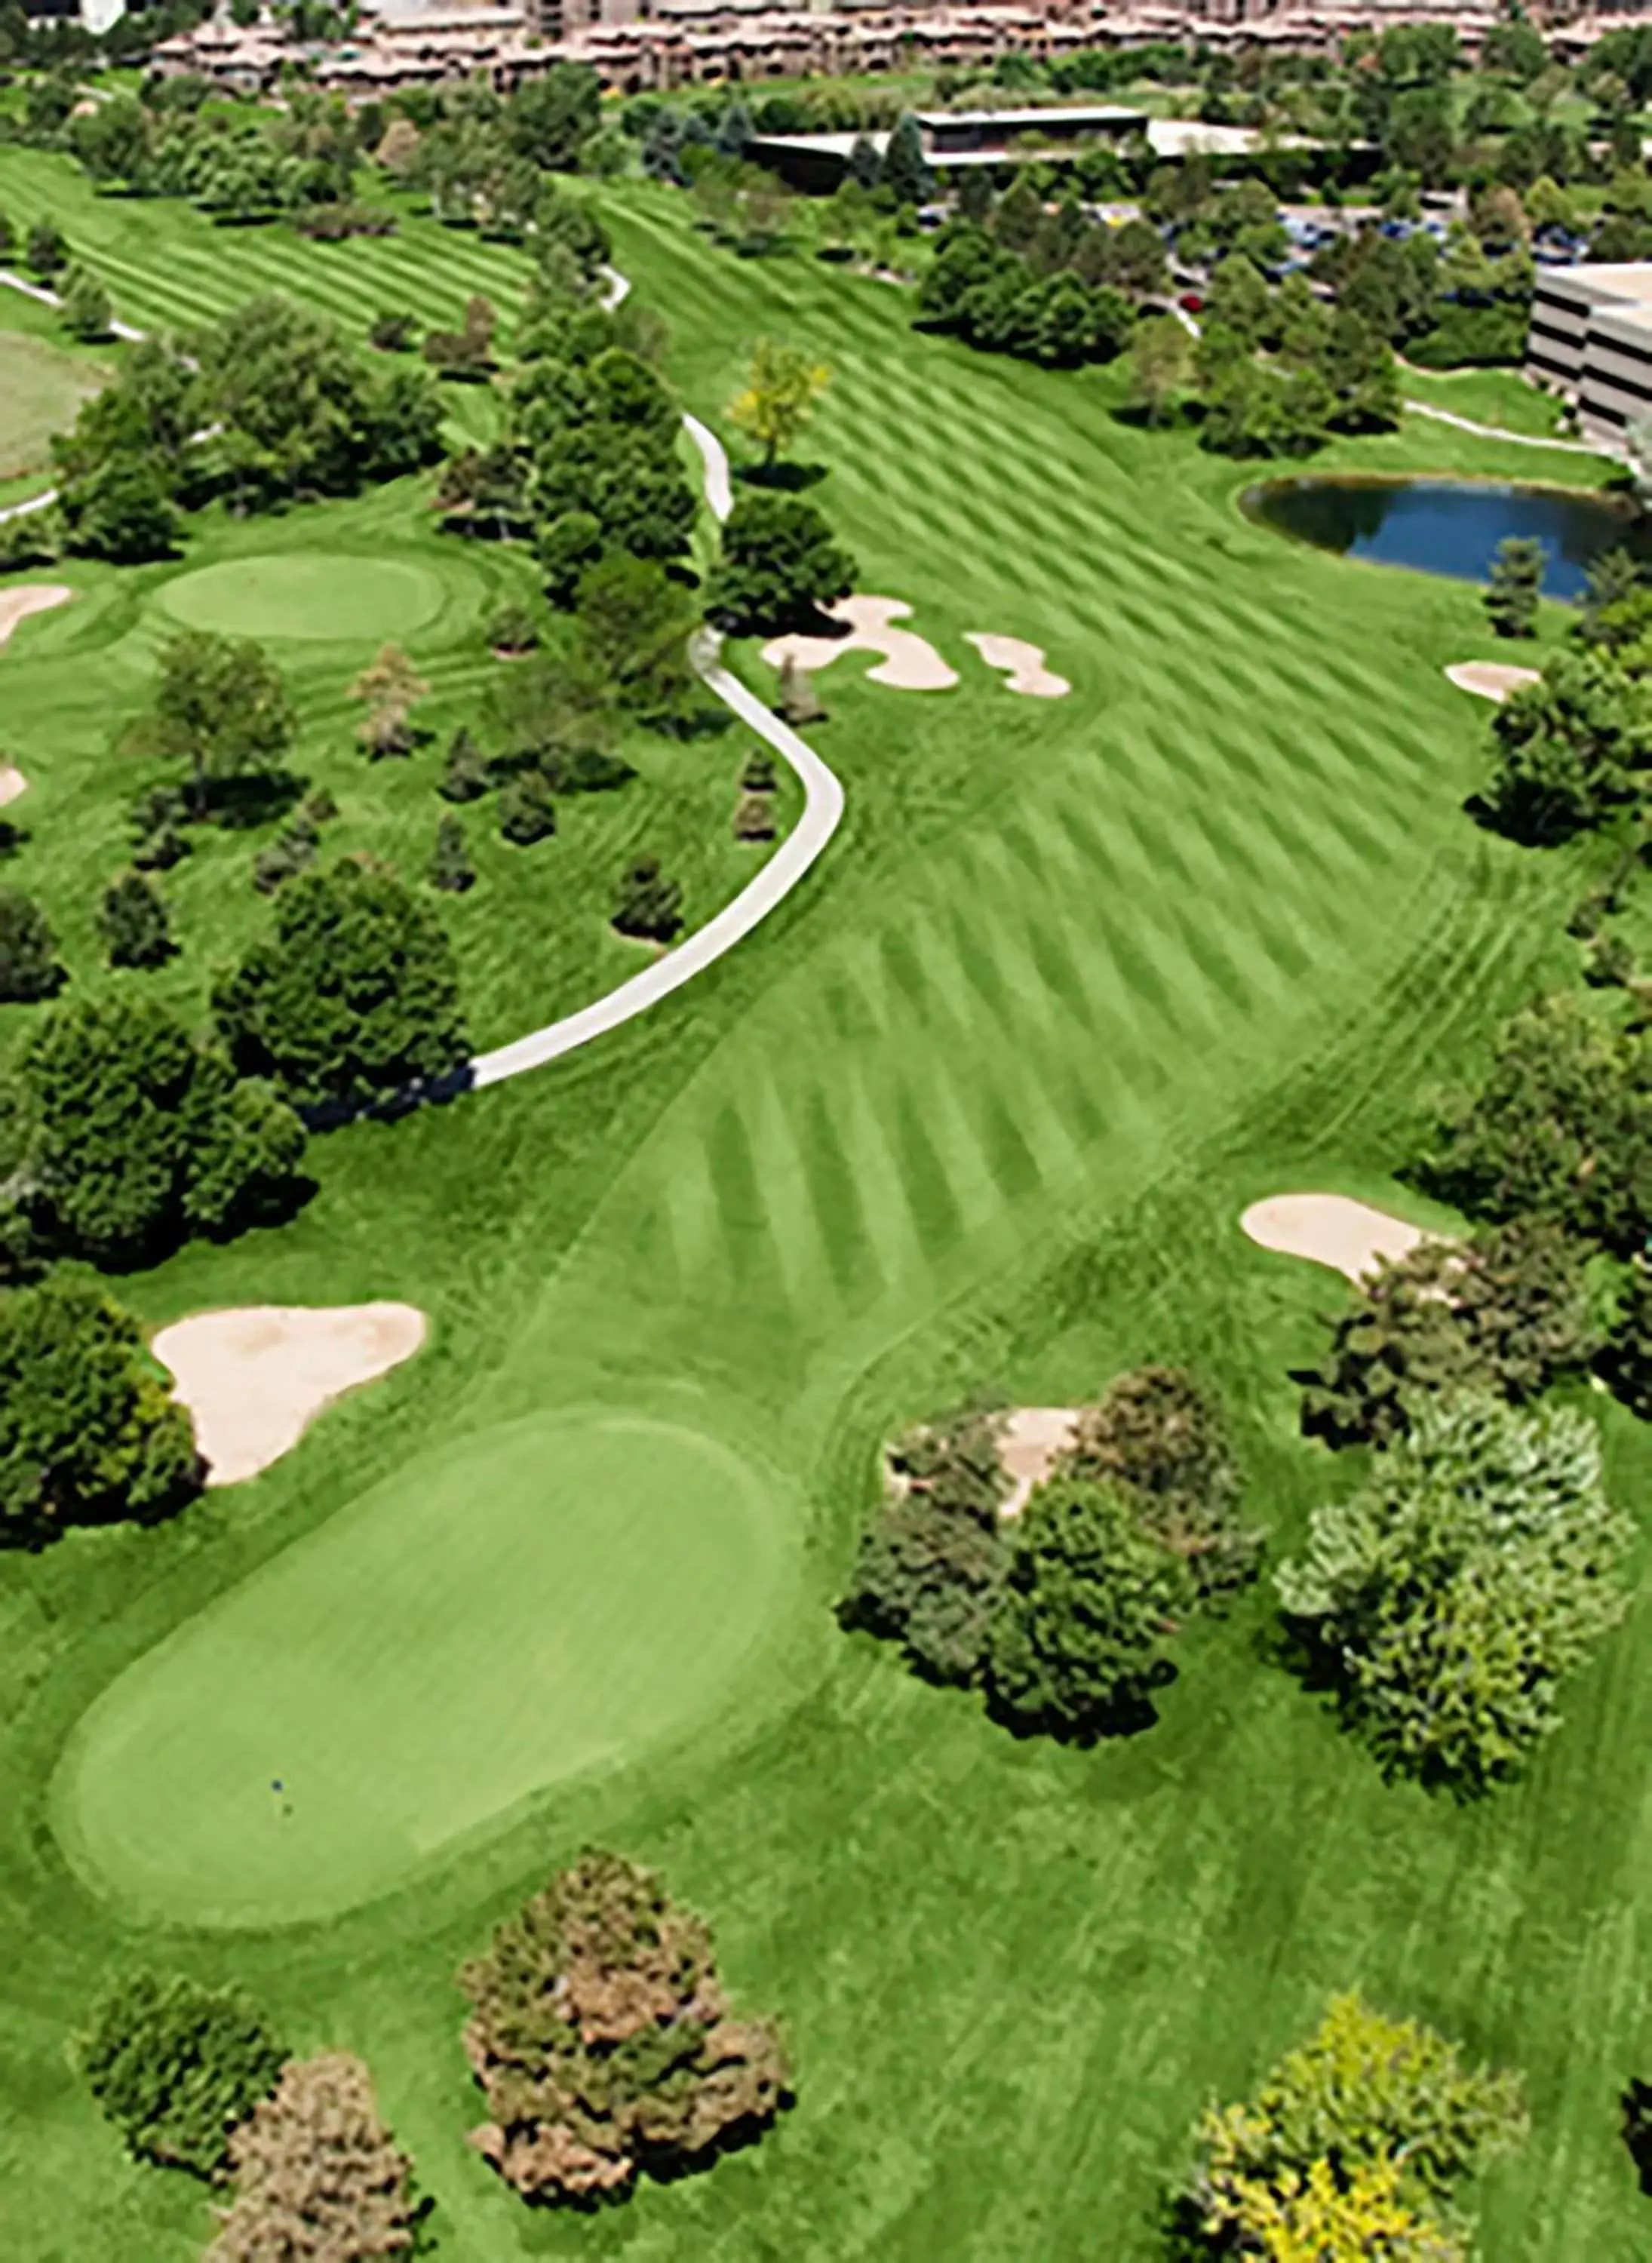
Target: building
{"x": 1591, "y": 339}
{"x": 953, "y": 140}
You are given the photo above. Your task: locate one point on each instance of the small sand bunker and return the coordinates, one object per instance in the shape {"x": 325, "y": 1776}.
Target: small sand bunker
{"x": 1032, "y": 1440}
{"x": 12, "y": 782}
{"x": 1489, "y": 679}
{"x": 256, "y": 1379}
{"x": 1332, "y": 1229}
{"x": 1022, "y": 664}
{"x": 909, "y": 661}
{"x": 32, "y": 598}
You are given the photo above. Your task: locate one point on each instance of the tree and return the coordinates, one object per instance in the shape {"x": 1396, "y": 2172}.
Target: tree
{"x": 1352, "y": 2147}
{"x": 1474, "y": 1569}
{"x": 1077, "y": 1642}
{"x": 178, "y": 2067}
{"x": 634, "y": 624}
{"x": 29, "y": 967}
{"x": 1507, "y": 1311}
{"x": 512, "y": 632}
{"x": 89, "y": 1432}
{"x": 930, "y": 1574}
{"x": 46, "y": 252}
{"x": 1561, "y": 1129}
{"x": 86, "y": 310}
{"x": 782, "y": 385}
{"x": 391, "y": 332}
{"x": 353, "y": 996}
{"x": 904, "y": 171}
{"x": 778, "y": 567}
{"x": 1161, "y": 1438}
{"x": 222, "y": 706}
{"x": 465, "y": 777}
{"x": 754, "y": 818}
{"x": 122, "y": 510}
{"x": 1516, "y": 584}
{"x": 798, "y": 701}
{"x": 601, "y": 2037}
{"x": 318, "y": 2178}
{"x": 527, "y": 811}
{"x": 143, "y": 1136}
{"x": 451, "y": 868}
{"x": 1160, "y": 357}
{"x": 650, "y": 906}
{"x": 134, "y": 922}
{"x": 1568, "y": 748}
{"x": 389, "y": 689}
{"x": 1238, "y": 300}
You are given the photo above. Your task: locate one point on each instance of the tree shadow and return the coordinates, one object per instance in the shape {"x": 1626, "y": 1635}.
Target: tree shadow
{"x": 1635, "y": 2100}
{"x": 240, "y": 804}
{"x": 1132, "y": 1713}
{"x": 790, "y": 479}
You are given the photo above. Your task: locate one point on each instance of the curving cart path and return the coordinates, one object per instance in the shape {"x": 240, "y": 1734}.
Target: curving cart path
{"x": 822, "y": 808}
{"x": 822, "y": 803}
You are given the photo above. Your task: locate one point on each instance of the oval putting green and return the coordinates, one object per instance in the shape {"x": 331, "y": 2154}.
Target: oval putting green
{"x": 550, "y": 1597}
{"x": 322, "y": 596}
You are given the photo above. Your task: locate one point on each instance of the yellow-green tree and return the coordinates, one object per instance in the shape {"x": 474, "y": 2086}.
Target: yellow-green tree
{"x": 782, "y": 385}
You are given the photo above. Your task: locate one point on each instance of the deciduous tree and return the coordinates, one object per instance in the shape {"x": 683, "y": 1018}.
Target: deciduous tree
{"x": 1160, "y": 1436}
{"x": 220, "y": 706}
{"x": 778, "y": 565}
{"x": 601, "y": 2036}
{"x": 134, "y": 918}
{"x": 389, "y": 688}
{"x": 318, "y": 2177}
{"x": 782, "y": 385}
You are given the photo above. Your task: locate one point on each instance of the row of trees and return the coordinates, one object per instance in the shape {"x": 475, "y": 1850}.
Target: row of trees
{"x": 1061, "y": 1616}
{"x": 599, "y": 2033}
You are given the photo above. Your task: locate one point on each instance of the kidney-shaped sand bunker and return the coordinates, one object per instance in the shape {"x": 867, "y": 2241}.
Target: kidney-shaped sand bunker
{"x": 551, "y": 1595}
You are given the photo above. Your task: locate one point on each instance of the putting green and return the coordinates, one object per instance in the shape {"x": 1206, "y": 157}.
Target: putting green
{"x": 322, "y": 596}
{"x": 548, "y": 1596}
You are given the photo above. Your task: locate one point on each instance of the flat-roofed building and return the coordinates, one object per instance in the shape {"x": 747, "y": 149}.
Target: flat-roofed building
{"x": 1591, "y": 338}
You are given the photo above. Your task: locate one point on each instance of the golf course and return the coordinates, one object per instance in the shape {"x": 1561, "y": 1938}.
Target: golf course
{"x": 974, "y": 1111}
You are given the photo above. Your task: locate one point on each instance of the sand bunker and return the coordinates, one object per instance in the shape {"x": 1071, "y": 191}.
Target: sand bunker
{"x": 32, "y": 598}
{"x": 1022, "y": 666}
{"x": 255, "y": 1379}
{"x": 1032, "y": 1439}
{"x": 1489, "y": 679}
{"x": 12, "y": 782}
{"x": 910, "y": 663}
{"x": 1332, "y": 1229}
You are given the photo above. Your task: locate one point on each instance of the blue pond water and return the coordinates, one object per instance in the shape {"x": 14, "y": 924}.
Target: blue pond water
{"x": 1451, "y": 526}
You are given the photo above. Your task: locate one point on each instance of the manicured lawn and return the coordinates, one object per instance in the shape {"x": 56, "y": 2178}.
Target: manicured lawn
{"x": 626, "y": 1567}
{"x": 980, "y": 1109}
{"x": 41, "y": 389}
{"x": 1501, "y": 397}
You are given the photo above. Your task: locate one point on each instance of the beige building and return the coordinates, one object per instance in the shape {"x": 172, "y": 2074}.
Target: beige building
{"x": 1591, "y": 339}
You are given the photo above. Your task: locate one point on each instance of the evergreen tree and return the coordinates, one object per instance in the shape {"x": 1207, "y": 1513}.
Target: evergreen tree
{"x": 86, "y": 310}
{"x": 904, "y": 171}
{"x": 29, "y": 967}
{"x": 754, "y": 818}
{"x": 451, "y": 868}
{"x": 650, "y": 906}
{"x": 1515, "y": 586}
{"x": 865, "y": 164}
{"x": 46, "y": 252}
{"x": 527, "y": 812}
{"x": 465, "y": 777}
{"x": 178, "y": 2067}
{"x": 134, "y": 922}
{"x": 799, "y": 702}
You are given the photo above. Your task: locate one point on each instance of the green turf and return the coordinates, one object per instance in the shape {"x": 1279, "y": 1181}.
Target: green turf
{"x": 627, "y": 1568}
{"x": 321, "y": 598}
{"x": 41, "y": 390}
{"x": 1502, "y": 398}
{"x": 980, "y": 1107}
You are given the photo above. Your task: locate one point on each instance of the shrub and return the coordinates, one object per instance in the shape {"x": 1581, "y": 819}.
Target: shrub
{"x": 451, "y": 868}
{"x": 930, "y": 1569}
{"x": 1474, "y": 1569}
{"x": 754, "y": 819}
{"x": 354, "y": 995}
{"x": 89, "y": 1432}
{"x": 527, "y": 811}
{"x": 465, "y": 777}
{"x": 318, "y": 2177}
{"x": 134, "y": 922}
{"x": 511, "y": 629}
{"x": 649, "y": 906}
{"x": 1160, "y": 1437}
{"x": 757, "y": 773}
{"x": 29, "y": 968}
{"x": 1077, "y": 1643}
{"x": 1507, "y": 1312}
{"x": 176, "y": 2067}
{"x": 1352, "y": 2146}
{"x": 601, "y": 2037}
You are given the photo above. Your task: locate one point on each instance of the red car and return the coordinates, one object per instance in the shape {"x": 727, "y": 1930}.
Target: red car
{"x": 1190, "y": 303}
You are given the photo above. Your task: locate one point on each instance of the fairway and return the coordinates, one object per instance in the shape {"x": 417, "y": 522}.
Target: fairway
{"x": 319, "y": 598}
{"x": 40, "y": 391}
{"x": 547, "y": 1597}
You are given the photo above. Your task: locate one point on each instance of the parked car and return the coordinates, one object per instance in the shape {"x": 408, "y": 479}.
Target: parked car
{"x": 1190, "y": 303}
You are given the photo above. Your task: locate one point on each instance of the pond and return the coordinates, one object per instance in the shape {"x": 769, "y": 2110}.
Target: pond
{"x": 1451, "y": 526}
